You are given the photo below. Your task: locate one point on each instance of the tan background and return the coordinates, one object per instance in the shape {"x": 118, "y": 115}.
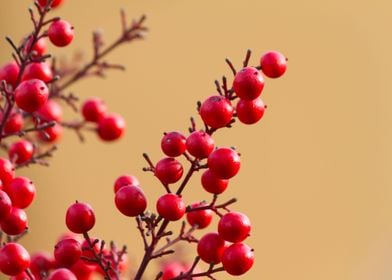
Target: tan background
{"x": 315, "y": 178}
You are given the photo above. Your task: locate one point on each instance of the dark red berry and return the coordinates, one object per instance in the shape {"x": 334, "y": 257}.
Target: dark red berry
{"x": 38, "y": 70}
{"x": 13, "y": 124}
{"x": 212, "y": 184}
{"x": 39, "y": 48}
{"x": 10, "y": 73}
{"x": 125, "y": 180}
{"x": 21, "y": 191}
{"x": 51, "y": 134}
{"x": 51, "y": 111}
{"x": 200, "y": 144}
{"x": 216, "y": 111}
{"x": 250, "y": 111}
{"x": 14, "y": 259}
{"x": 273, "y": 64}
{"x": 199, "y": 218}
{"x": 15, "y": 223}
{"x": 237, "y": 259}
{"x": 67, "y": 252}
{"x": 224, "y": 163}
{"x": 94, "y": 109}
{"x": 61, "y": 274}
{"x": 5, "y": 205}
{"x": 41, "y": 264}
{"x": 61, "y": 33}
{"x": 82, "y": 270}
{"x": 171, "y": 207}
{"x": 130, "y": 201}
{"x": 7, "y": 171}
{"x": 55, "y": 3}
{"x": 234, "y": 227}
{"x": 111, "y": 127}
{"x": 210, "y": 248}
{"x": 31, "y": 95}
{"x": 248, "y": 83}
{"x": 80, "y": 217}
{"x": 21, "y": 151}
{"x": 168, "y": 170}
{"x": 173, "y": 144}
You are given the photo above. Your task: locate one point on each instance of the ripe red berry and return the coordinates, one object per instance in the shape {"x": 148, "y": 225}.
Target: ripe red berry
{"x": 172, "y": 270}
{"x": 210, "y": 248}
{"x": 234, "y": 227}
{"x": 39, "y": 48}
{"x": 61, "y": 33}
{"x": 14, "y": 259}
{"x": 61, "y": 274}
{"x": 248, "y": 83}
{"x": 80, "y": 217}
{"x": 21, "y": 191}
{"x": 237, "y": 259}
{"x": 31, "y": 95}
{"x": 41, "y": 264}
{"x": 169, "y": 170}
{"x": 173, "y": 144}
{"x": 82, "y": 270}
{"x": 273, "y": 64}
{"x": 67, "y": 252}
{"x": 171, "y": 207}
{"x": 51, "y": 134}
{"x": 5, "y": 205}
{"x": 55, "y": 3}
{"x": 20, "y": 276}
{"x": 216, "y": 111}
{"x": 250, "y": 111}
{"x": 7, "y": 171}
{"x": 200, "y": 144}
{"x": 224, "y": 163}
{"x": 38, "y": 70}
{"x": 13, "y": 124}
{"x": 130, "y": 201}
{"x": 51, "y": 111}
{"x": 212, "y": 184}
{"x": 15, "y": 223}
{"x": 10, "y": 73}
{"x": 21, "y": 151}
{"x": 94, "y": 109}
{"x": 111, "y": 127}
{"x": 199, "y": 218}
{"x": 125, "y": 180}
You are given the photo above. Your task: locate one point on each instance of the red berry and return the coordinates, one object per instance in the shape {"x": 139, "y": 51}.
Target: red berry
{"x": 14, "y": 259}
{"x": 248, "y": 83}
{"x": 67, "y": 252}
{"x": 7, "y": 171}
{"x": 216, "y": 111}
{"x": 111, "y": 127}
{"x": 273, "y": 64}
{"x": 82, "y": 270}
{"x": 51, "y": 134}
{"x": 130, "y": 201}
{"x": 125, "y": 180}
{"x": 199, "y": 218}
{"x": 20, "y": 276}
{"x": 39, "y": 48}
{"x": 88, "y": 252}
{"x": 237, "y": 259}
{"x": 38, "y": 70}
{"x": 168, "y": 170}
{"x": 15, "y": 223}
{"x": 21, "y": 151}
{"x": 80, "y": 217}
{"x": 5, "y": 205}
{"x": 173, "y": 144}
{"x": 171, "y": 207}
{"x": 21, "y": 191}
{"x": 200, "y": 144}
{"x": 234, "y": 227}
{"x": 250, "y": 111}
{"x": 212, "y": 184}
{"x": 31, "y": 95}
{"x": 61, "y": 33}
{"x": 94, "y": 109}
{"x": 41, "y": 264}
{"x": 55, "y": 3}
{"x": 51, "y": 111}
{"x": 10, "y": 73}
{"x": 210, "y": 248}
{"x": 13, "y": 124}
{"x": 171, "y": 270}
{"x": 61, "y": 274}
{"x": 224, "y": 163}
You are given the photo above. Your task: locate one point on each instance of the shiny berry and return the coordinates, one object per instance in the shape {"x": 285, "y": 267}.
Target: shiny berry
{"x": 14, "y": 259}
{"x": 237, "y": 259}
{"x": 61, "y": 274}
{"x": 199, "y": 218}
{"x": 21, "y": 191}
{"x": 216, "y": 111}
{"x": 171, "y": 207}
{"x": 7, "y": 171}
{"x": 5, "y": 205}
{"x": 111, "y": 127}
{"x": 21, "y": 151}
{"x": 234, "y": 227}
{"x": 210, "y": 248}
{"x": 51, "y": 134}
{"x": 273, "y": 64}
{"x": 224, "y": 163}
{"x": 250, "y": 111}
{"x": 31, "y": 95}
{"x": 125, "y": 180}
{"x": 169, "y": 170}
{"x": 200, "y": 144}
{"x": 94, "y": 109}
{"x": 51, "y": 111}
{"x": 212, "y": 184}
{"x": 13, "y": 124}
{"x": 130, "y": 201}
{"x": 248, "y": 83}
{"x": 173, "y": 144}
{"x": 15, "y": 223}
{"x": 39, "y": 48}
{"x": 67, "y": 252}
{"x": 55, "y": 3}
{"x": 80, "y": 217}
{"x": 41, "y": 264}
{"x": 10, "y": 73}
{"x": 38, "y": 70}
{"x": 61, "y": 33}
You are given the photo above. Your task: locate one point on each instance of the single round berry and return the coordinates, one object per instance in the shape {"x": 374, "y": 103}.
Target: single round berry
{"x": 38, "y": 70}
{"x": 13, "y": 124}
{"x": 200, "y": 144}
{"x": 224, "y": 163}
{"x": 61, "y": 33}
{"x": 10, "y": 73}
{"x": 21, "y": 151}
{"x": 7, "y": 171}
{"x": 169, "y": 170}
{"x": 67, "y": 252}
{"x": 238, "y": 259}
{"x": 125, "y": 180}
{"x": 210, "y": 248}
{"x": 51, "y": 111}
{"x": 41, "y": 264}
{"x": 55, "y": 3}
{"x": 216, "y": 111}
{"x": 15, "y": 223}
{"x": 61, "y": 274}
{"x": 39, "y": 48}
{"x": 250, "y": 111}
{"x": 5, "y": 205}
{"x": 94, "y": 109}
{"x": 130, "y": 201}
{"x": 248, "y": 83}
{"x": 234, "y": 227}
{"x": 199, "y": 218}
{"x": 173, "y": 144}
{"x": 111, "y": 127}
{"x": 51, "y": 134}
{"x": 213, "y": 184}
{"x": 273, "y": 64}
{"x": 80, "y": 217}
{"x": 22, "y": 192}
{"x": 31, "y": 95}
{"x": 171, "y": 207}
{"x": 14, "y": 259}
{"x": 172, "y": 270}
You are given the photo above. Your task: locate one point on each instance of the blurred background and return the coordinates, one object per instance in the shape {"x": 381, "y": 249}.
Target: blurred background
{"x": 315, "y": 177}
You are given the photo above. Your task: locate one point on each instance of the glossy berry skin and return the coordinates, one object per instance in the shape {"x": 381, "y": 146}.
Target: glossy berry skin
{"x": 67, "y": 252}
{"x": 61, "y": 274}
{"x": 61, "y": 33}
{"x": 55, "y": 3}
{"x": 234, "y": 227}
{"x": 172, "y": 270}
{"x": 38, "y": 70}
{"x": 13, "y": 124}
{"x": 111, "y": 127}
{"x": 171, "y": 207}
{"x": 7, "y": 171}
{"x": 173, "y": 144}
{"x": 51, "y": 111}
{"x": 200, "y": 144}
{"x": 273, "y": 64}
{"x": 41, "y": 264}
{"x": 39, "y": 48}
{"x": 9, "y": 73}
{"x": 130, "y": 201}
{"x": 31, "y": 95}
{"x": 52, "y": 134}
{"x": 21, "y": 151}
{"x": 169, "y": 170}
{"x": 14, "y": 259}
{"x": 22, "y": 192}
{"x": 15, "y": 223}
{"x": 216, "y": 111}
{"x": 94, "y": 109}
{"x": 224, "y": 163}
{"x": 250, "y": 111}
{"x": 238, "y": 259}
{"x": 5, "y": 205}
{"x": 125, "y": 180}
{"x": 210, "y": 248}
{"x": 80, "y": 217}
{"x": 248, "y": 83}
{"x": 200, "y": 218}
{"x": 212, "y": 184}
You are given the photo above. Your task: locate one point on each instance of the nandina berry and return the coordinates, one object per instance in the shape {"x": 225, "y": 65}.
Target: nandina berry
{"x": 80, "y": 217}
{"x": 125, "y": 180}
{"x": 13, "y": 124}
{"x": 237, "y": 259}
{"x": 216, "y": 111}
{"x": 210, "y": 248}
{"x": 173, "y": 144}
{"x": 7, "y": 171}
{"x": 20, "y": 276}
{"x": 14, "y": 259}
{"x": 224, "y": 163}
{"x": 5, "y": 205}
{"x": 21, "y": 191}
{"x": 21, "y": 151}
{"x": 212, "y": 184}
{"x": 94, "y": 109}
{"x": 41, "y": 264}
{"x": 171, "y": 207}
{"x": 31, "y": 95}
{"x": 248, "y": 83}
{"x": 111, "y": 127}
{"x": 61, "y": 33}
{"x": 51, "y": 134}
{"x": 234, "y": 227}
{"x": 273, "y": 64}
{"x": 82, "y": 270}
{"x": 38, "y": 70}
{"x": 250, "y": 111}
{"x": 200, "y": 144}
{"x": 130, "y": 201}
{"x": 67, "y": 252}
{"x": 10, "y": 73}
{"x": 61, "y": 274}
{"x": 168, "y": 170}
{"x": 172, "y": 270}
{"x": 15, "y": 223}
{"x": 55, "y": 3}
{"x": 38, "y": 49}
{"x": 199, "y": 218}
{"x": 51, "y": 111}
